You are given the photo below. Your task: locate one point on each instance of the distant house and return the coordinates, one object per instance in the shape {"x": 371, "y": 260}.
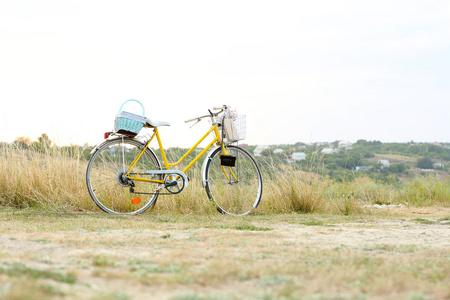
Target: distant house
{"x": 278, "y": 151}
{"x": 259, "y": 149}
{"x": 384, "y": 162}
{"x": 362, "y": 168}
{"x": 327, "y": 150}
{"x": 437, "y": 144}
{"x": 438, "y": 165}
{"x": 296, "y": 156}
{"x": 344, "y": 145}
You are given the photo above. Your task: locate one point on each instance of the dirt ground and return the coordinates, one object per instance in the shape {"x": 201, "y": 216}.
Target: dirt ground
{"x": 167, "y": 257}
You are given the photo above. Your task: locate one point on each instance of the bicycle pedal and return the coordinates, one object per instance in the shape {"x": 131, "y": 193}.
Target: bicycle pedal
{"x": 172, "y": 183}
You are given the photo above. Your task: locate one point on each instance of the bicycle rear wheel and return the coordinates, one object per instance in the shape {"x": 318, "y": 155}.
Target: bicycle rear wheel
{"x": 236, "y": 190}
{"x": 110, "y": 189}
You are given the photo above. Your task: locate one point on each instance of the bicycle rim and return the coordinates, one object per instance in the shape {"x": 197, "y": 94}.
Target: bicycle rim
{"x": 109, "y": 189}
{"x": 235, "y": 190}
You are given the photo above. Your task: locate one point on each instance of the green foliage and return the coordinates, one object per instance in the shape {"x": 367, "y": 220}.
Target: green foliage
{"x": 426, "y": 191}
{"x": 267, "y": 152}
{"x": 22, "y": 142}
{"x": 342, "y": 163}
{"x": 425, "y": 163}
{"x": 398, "y": 168}
{"x": 44, "y": 140}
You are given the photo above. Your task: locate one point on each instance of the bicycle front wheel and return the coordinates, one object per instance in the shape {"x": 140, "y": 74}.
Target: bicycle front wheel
{"x": 236, "y": 190}
{"x": 107, "y": 184}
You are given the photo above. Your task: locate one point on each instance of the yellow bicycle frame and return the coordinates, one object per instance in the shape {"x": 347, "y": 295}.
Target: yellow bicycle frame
{"x": 167, "y": 165}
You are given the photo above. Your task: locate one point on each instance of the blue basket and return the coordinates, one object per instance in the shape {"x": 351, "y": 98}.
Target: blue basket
{"x": 128, "y": 123}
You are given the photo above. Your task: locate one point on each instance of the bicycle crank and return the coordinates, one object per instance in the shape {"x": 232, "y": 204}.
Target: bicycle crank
{"x": 169, "y": 172}
{"x": 174, "y": 181}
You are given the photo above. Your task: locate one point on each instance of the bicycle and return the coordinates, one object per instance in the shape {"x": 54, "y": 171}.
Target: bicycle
{"x": 124, "y": 175}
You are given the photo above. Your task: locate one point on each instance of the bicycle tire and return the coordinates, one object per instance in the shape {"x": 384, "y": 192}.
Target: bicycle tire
{"x": 237, "y": 195}
{"x": 109, "y": 189}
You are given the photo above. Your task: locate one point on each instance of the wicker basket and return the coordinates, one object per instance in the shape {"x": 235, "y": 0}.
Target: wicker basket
{"x": 128, "y": 123}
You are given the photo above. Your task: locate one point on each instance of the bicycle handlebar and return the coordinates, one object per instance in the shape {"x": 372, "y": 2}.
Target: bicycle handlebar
{"x": 221, "y": 109}
{"x": 197, "y": 118}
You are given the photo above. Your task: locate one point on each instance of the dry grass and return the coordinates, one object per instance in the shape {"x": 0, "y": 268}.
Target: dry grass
{"x": 55, "y": 181}
{"x": 394, "y": 158}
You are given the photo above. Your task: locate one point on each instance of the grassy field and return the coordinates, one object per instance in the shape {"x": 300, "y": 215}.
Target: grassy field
{"x": 55, "y": 181}
{"x": 311, "y": 238}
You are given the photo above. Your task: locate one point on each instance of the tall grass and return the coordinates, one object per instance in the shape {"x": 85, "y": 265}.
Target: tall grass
{"x": 55, "y": 180}
{"x": 293, "y": 190}
{"x": 426, "y": 191}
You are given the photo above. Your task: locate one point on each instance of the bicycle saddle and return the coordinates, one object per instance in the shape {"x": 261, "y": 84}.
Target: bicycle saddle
{"x": 154, "y": 124}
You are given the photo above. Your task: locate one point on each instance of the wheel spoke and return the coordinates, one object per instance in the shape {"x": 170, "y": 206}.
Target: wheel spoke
{"x": 104, "y": 178}
{"x": 235, "y": 190}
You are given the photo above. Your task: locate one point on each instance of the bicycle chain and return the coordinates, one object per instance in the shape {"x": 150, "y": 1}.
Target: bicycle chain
{"x": 143, "y": 193}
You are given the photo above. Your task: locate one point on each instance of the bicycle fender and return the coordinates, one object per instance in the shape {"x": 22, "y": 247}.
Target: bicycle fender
{"x": 95, "y": 149}
{"x": 98, "y": 146}
{"x": 205, "y": 162}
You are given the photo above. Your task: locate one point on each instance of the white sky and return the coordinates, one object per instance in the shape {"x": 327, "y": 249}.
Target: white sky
{"x": 306, "y": 71}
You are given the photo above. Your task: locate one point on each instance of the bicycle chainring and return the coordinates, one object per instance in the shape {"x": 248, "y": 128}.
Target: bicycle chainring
{"x": 174, "y": 183}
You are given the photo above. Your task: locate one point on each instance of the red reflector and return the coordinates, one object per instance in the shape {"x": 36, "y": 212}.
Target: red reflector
{"x": 136, "y": 200}
{"x": 106, "y": 135}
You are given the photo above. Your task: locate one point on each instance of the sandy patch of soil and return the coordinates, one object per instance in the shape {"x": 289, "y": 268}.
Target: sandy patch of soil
{"x": 143, "y": 262}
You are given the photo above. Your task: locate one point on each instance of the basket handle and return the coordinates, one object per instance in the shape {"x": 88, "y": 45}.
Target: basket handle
{"x": 143, "y": 109}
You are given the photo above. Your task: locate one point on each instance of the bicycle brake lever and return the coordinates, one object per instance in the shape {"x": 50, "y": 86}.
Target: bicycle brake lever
{"x": 198, "y": 121}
